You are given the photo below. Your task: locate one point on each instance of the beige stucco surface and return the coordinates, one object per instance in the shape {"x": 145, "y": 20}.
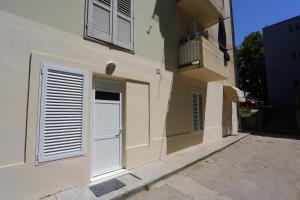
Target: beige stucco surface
{"x": 157, "y": 107}
{"x": 69, "y": 16}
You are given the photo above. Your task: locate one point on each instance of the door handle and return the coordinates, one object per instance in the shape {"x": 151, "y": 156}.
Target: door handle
{"x": 120, "y": 131}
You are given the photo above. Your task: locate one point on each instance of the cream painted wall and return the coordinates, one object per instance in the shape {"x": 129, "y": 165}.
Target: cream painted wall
{"x": 20, "y": 37}
{"x": 137, "y": 118}
{"x": 180, "y": 107}
{"x": 26, "y": 43}
{"x": 179, "y": 116}
{"x": 68, "y": 15}
{"x": 214, "y": 108}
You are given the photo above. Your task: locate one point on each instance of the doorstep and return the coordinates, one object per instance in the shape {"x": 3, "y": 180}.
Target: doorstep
{"x": 142, "y": 177}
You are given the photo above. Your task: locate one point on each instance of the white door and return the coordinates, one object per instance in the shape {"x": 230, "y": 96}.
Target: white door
{"x": 107, "y": 123}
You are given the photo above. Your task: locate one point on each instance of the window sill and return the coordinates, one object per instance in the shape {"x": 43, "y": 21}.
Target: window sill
{"x": 109, "y": 45}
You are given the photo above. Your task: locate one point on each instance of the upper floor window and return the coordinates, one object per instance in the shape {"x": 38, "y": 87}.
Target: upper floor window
{"x": 291, "y": 28}
{"x": 197, "y": 112}
{"x": 111, "y": 21}
{"x": 294, "y": 27}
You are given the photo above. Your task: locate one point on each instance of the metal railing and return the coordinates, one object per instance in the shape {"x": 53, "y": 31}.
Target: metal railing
{"x": 189, "y": 53}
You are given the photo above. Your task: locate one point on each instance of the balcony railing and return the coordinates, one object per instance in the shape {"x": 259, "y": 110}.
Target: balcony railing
{"x": 189, "y": 53}
{"x": 201, "y": 60}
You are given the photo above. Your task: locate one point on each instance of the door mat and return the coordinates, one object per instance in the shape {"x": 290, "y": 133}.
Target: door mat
{"x": 106, "y": 187}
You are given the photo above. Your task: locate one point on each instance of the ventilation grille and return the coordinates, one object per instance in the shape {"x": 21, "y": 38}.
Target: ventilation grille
{"x": 124, "y": 7}
{"x": 62, "y": 113}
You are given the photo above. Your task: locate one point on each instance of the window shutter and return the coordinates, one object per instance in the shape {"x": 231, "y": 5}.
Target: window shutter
{"x": 99, "y": 24}
{"x": 123, "y": 23}
{"x": 197, "y": 112}
{"x": 63, "y": 112}
{"x": 200, "y": 112}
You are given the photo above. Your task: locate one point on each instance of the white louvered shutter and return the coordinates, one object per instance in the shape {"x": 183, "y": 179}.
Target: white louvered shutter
{"x": 123, "y": 23}
{"x": 197, "y": 112}
{"x": 201, "y": 118}
{"x": 63, "y": 113}
{"x": 99, "y": 25}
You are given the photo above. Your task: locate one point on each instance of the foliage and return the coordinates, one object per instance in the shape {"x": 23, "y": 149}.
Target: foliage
{"x": 251, "y": 66}
{"x": 247, "y": 112}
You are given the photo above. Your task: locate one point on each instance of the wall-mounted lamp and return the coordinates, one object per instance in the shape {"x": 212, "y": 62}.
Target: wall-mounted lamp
{"x": 110, "y": 68}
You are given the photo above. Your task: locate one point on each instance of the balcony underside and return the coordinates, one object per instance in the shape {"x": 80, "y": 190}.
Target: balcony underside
{"x": 206, "y": 12}
{"x": 201, "y": 73}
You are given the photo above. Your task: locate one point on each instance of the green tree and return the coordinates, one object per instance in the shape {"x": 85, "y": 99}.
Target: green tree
{"x": 251, "y": 66}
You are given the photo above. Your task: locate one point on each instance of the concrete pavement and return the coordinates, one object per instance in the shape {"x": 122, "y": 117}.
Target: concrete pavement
{"x": 257, "y": 168}
{"x": 144, "y": 176}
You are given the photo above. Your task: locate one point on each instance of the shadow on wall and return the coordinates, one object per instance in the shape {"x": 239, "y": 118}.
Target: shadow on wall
{"x": 179, "y": 117}
{"x": 178, "y": 120}
{"x": 165, "y": 13}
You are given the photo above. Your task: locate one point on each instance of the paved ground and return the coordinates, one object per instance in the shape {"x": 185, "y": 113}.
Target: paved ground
{"x": 257, "y": 168}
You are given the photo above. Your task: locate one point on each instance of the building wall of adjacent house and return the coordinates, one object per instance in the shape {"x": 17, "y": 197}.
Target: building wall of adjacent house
{"x": 282, "y": 70}
{"x": 35, "y": 32}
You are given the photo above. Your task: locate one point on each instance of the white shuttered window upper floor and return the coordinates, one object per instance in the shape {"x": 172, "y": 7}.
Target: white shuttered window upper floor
{"x": 110, "y": 21}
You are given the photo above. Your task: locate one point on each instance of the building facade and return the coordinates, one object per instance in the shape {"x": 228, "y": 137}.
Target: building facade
{"x": 282, "y": 62}
{"x": 90, "y": 87}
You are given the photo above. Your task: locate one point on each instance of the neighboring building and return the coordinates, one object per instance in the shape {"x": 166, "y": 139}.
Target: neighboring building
{"x": 282, "y": 46}
{"x": 90, "y": 87}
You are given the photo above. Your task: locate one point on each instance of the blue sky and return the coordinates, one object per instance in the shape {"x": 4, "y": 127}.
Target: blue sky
{"x": 253, "y": 15}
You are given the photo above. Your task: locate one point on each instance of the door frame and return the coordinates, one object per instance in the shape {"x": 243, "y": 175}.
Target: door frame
{"x": 227, "y": 124}
{"x": 109, "y": 85}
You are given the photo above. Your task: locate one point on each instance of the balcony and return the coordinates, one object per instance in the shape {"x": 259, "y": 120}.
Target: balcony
{"x": 201, "y": 60}
{"x": 206, "y": 12}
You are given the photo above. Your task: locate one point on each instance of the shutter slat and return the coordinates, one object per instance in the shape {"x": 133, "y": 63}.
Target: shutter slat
{"x": 51, "y": 96}
{"x": 61, "y": 137}
{"x": 124, "y": 24}
{"x": 100, "y": 20}
{"x": 63, "y": 101}
{"x": 105, "y": 2}
{"x": 51, "y": 144}
{"x": 65, "y": 81}
{"x": 61, "y": 147}
{"x": 66, "y": 76}
{"x": 63, "y": 131}
{"x": 67, "y": 89}
{"x": 67, "y": 85}
{"x": 49, "y": 128}
{"x": 64, "y": 151}
{"x": 124, "y": 7}
{"x": 62, "y": 113}
{"x": 124, "y": 30}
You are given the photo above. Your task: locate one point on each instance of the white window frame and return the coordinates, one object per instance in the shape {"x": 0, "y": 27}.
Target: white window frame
{"x": 41, "y": 119}
{"x": 113, "y": 41}
{"x": 201, "y": 115}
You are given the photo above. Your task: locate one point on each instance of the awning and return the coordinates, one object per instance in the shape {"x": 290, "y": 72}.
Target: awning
{"x": 233, "y": 94}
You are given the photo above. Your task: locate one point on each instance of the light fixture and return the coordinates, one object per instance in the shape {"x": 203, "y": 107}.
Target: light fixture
{"x": 110, "y": 68}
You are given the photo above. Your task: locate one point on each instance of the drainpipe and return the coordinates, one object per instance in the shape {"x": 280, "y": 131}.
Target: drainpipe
{"x": 234, "y": 60}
